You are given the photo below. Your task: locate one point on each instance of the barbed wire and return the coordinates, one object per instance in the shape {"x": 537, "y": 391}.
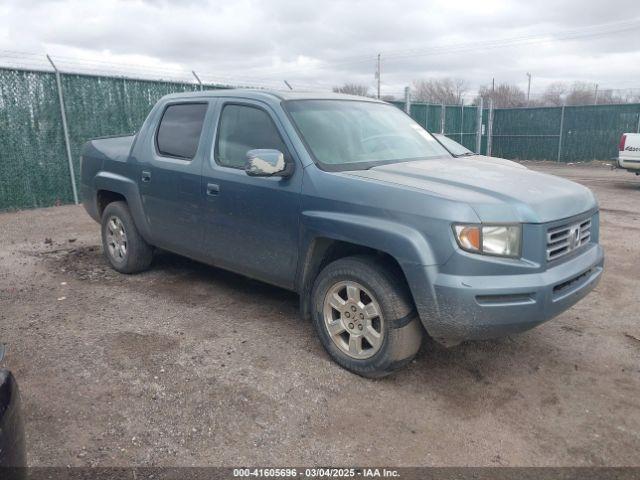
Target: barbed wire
{"x": 72, "y": 65}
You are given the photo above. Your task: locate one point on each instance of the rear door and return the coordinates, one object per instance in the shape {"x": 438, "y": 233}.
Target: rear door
{"x": 170, "y": 177}
{"x": 251, "y": 223}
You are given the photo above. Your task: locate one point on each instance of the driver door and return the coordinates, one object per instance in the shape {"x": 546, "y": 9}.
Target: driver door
{"x": 251, "y": 223}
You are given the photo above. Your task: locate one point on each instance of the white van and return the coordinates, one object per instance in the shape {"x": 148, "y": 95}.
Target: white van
{"x": 629, "y": 152}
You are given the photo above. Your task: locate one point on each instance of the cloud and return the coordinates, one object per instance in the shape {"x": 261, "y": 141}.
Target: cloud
{"x": 320, "y": 44}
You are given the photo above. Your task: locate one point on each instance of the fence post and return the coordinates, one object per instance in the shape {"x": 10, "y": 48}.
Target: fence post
{"x": 479, "y": 127}
{"x": 65, "y": 131}
{"x": 560, "y": 136}
{"x": 426, "y": 117}
{"x": 442, "y": 118}
{"x": 407, "y": 100}
{"x": 490, "y": 129}
{"x": 462, "y": 121}
{"x": 197, "y": 78}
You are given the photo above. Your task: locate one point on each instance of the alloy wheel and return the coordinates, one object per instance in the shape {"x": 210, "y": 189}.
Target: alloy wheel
{"x": 353, "y": 319}
{"x": 116, "y": 239}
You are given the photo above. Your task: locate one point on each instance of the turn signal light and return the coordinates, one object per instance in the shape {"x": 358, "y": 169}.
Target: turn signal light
{"x": 469, "y": 237}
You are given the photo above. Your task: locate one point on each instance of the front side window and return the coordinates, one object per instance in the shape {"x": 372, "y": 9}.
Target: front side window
{"x": 355, "y": 135}
{"x": 243, "y": 128}
{"x": 180, "y": 129}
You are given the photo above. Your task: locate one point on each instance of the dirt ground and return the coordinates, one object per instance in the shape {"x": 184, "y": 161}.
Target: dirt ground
{"x": 190, "y": 365}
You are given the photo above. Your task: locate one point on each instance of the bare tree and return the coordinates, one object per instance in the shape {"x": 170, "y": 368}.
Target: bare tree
{"x": 439, "y": 90}
{"x": 629, "y": 95}
{"x": 504, "y": 96}
{"x": 554, "y": 94}
{"x": 581, "y": 93}
{"x": 353, "y": 89}
{"x": 606, "y": 97}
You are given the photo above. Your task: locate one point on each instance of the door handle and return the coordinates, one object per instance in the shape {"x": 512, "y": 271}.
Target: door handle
{"x": 213, "y": 189}
{"x": 146, "y": 176}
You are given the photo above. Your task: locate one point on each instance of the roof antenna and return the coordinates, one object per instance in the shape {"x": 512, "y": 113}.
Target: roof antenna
{"x": 288, "y": 85}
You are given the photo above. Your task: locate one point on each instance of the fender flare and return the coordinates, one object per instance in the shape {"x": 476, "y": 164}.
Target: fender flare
{"x": 407, "y": 246}
{"x": 126, "y": 187}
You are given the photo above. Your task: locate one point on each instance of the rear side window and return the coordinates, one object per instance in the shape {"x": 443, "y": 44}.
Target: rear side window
{"x": 180, "y": 129}
{"x": 243, "y": 128}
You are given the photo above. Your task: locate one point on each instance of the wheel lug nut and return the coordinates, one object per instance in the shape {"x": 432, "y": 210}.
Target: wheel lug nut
{"x": 347, "y": 314}
{"x": 361, "y": 316}
{"x": 353, "y": 309}
{"x": 360, "y": 327}
{"x": 351, "y": 325}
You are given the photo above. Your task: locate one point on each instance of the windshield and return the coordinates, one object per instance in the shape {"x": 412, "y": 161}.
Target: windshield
{"x": 349, "y": 135}
{"x": 454, "y": 147}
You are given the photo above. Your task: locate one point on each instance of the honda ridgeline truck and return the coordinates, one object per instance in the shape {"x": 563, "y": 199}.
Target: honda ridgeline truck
{"x": 350, "y": 203}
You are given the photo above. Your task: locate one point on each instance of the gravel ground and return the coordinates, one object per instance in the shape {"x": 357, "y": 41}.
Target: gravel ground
{"x": 190, "y": 365}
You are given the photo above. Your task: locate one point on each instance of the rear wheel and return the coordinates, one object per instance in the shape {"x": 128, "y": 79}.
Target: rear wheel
{"x": 124, "y": 248}
{"x": 364, "y": 316}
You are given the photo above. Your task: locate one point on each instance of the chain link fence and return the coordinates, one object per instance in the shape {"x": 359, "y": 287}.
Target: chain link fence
{"x": 563, "y": 134}
{"x": 33, "y": 168}
{"x": 34, "y": 171}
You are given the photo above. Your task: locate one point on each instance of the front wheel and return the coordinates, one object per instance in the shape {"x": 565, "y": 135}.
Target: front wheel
{"x": 364, "y": 316}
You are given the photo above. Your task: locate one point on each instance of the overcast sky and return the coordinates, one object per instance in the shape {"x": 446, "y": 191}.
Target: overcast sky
{"x": 324, "y": 43}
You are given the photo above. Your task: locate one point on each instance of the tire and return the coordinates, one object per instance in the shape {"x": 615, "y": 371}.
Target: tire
{"x": 137, "y": 254}
{"x": 397, "y": 323}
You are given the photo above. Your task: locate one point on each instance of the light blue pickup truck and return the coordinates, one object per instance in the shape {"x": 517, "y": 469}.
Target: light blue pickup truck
{"x": 350, "y": 203}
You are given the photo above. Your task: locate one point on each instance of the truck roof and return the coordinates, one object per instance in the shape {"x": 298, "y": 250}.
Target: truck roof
{"x": 269, "y": 95}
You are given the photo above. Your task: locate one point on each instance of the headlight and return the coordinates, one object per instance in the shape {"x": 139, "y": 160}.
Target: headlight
{"x": 500, "y": 240}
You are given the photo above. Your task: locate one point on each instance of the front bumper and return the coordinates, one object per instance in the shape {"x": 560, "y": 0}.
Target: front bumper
{"x": 482, "y": 307}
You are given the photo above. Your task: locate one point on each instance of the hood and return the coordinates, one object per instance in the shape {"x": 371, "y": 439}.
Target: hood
{"x": 498, "y": 190}
{"x": 495, "y": 161}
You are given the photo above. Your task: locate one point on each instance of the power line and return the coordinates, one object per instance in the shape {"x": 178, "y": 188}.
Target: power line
{"x": 585, "y": 32}
{"x": 352, "y": 60}
{"x": 264, "y": 76}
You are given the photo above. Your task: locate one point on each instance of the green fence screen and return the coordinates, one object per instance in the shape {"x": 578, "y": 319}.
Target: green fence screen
{"x": 526, "y": 133}
{"x": 33, "y": 166}
{"x": 565, "y": 134}
{"x": 34, "y": 171}
{"x": 593, "y": 132}
{"x": 457, "y": 122}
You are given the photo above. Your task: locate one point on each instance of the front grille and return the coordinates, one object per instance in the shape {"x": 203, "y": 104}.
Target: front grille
{"x": 566, "y": 238}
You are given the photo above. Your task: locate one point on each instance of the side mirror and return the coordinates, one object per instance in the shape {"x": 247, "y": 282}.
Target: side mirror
{"x": 267, "y": 163}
